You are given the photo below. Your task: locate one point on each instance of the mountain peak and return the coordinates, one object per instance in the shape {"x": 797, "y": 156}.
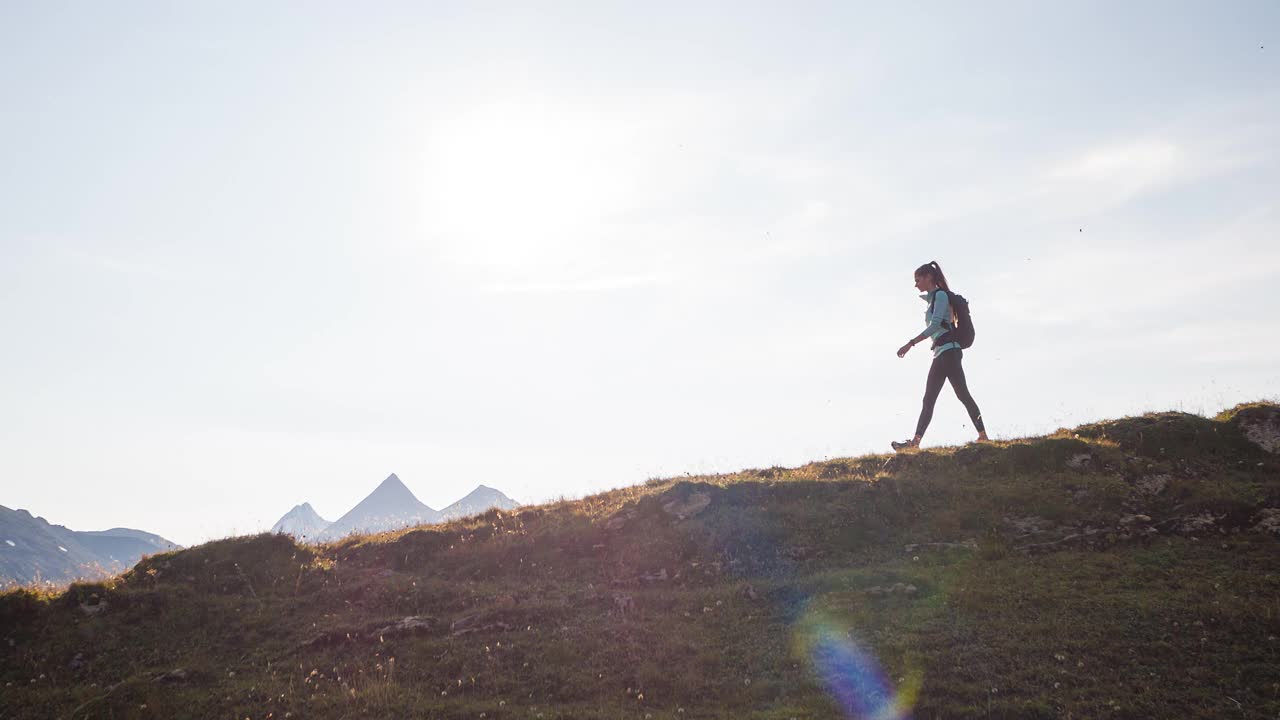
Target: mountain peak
{"x": 391, "y": 505}
{"x": 304, "y": 509}
{"x": 394, "y": 490}
{"x": 479, "y": 500}
{"x": 303, "y": 522}
{"x": 393, "y": 482}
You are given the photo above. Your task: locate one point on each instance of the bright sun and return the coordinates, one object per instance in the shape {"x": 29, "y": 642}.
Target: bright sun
{"x": 517, "y": 183}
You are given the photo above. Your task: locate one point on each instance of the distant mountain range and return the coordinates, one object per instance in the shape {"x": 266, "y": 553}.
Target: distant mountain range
{"x": 390, "y": 506}
{"x": 34, "y": 550}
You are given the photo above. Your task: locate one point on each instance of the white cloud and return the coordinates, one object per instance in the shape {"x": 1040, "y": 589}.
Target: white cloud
{"x": 605, "y": 283}
{"x": 1131, "y": 166}
{"x": 111, "y": 263}
{"x": 1103, "y": 176}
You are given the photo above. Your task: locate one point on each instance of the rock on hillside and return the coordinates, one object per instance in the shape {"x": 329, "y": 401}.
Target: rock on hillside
{"x": 1260, "y": 423}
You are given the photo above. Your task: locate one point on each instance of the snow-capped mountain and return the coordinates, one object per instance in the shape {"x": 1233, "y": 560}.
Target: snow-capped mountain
{"x": 302, "y": 522}
{"x": 477, "y": 501}
{"x": 390, "y": 506}
{"x": 34, "y": 550}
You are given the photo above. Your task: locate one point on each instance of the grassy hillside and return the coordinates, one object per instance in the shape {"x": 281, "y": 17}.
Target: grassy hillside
{"x": 1126, "y": 569}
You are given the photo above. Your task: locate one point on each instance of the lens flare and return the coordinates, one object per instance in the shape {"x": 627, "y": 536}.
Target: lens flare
{"x": 851, "y": 675}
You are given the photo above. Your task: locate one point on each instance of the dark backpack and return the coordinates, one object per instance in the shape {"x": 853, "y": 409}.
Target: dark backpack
{"x": 963, "y": 331}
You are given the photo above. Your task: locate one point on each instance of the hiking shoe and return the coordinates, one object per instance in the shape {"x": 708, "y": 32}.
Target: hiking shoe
{"x": 904, "y": 445}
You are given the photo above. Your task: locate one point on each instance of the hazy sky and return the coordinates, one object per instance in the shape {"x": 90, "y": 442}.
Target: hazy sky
{"x": 255, "y": 254}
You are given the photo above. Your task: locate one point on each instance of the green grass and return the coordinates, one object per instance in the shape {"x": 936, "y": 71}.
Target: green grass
{"x": 1100, "y": 620}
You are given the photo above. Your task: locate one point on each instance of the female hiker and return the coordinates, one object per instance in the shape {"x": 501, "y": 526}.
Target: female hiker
{"x": 940, "y": 318}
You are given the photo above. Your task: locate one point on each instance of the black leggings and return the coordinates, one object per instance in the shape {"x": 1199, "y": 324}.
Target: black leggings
{"x": 947, "y": 367}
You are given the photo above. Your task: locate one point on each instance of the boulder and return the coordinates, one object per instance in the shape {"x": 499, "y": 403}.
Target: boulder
{"x": 1261, "y": 426}
{"x": 1196, "y": 524}
{"x": 620, "y": 520}
{"x": 376, "y": 631}
{"x": 408, "y": 624}
{"x": 1080, "y": 461}
{"x": 93, "y": 607}
{"x": 687, "y": 507}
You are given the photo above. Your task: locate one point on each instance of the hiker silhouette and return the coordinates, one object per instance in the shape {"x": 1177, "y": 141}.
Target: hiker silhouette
{"x": 948, "y": 325}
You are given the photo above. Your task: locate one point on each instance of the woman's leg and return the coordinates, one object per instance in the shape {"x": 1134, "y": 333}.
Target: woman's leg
{"x": 932, "y": 386}
{"x": 955, "y": 373}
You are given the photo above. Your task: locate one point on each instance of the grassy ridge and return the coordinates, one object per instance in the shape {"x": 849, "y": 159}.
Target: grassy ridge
{"x": 1122, "y": 569}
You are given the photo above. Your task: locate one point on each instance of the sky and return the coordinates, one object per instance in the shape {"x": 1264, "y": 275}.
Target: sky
{"x": 255, "y": 254}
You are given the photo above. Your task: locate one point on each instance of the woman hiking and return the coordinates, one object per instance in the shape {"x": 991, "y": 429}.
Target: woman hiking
{"x": 940, "y": 318}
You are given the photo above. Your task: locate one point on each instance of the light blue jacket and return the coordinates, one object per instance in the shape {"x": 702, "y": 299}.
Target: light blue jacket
{"x": 939, "y": 321}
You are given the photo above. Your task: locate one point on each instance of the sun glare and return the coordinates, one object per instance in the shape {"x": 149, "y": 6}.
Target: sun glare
{"x": 516, "y": 183}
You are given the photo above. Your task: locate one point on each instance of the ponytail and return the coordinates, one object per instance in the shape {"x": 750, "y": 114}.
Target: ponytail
{"x": 934, "y": 271}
